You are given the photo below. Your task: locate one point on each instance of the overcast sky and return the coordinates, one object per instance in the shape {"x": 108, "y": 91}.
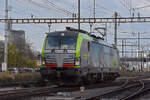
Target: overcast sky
{"x": 35, "y": 33}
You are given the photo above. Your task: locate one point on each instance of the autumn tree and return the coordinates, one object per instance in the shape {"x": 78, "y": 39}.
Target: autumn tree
{"x": 17, "y": 58}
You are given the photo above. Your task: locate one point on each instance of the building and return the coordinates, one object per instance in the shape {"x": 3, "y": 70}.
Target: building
{"x": 1, "y": 45}
{"x": 17, "y": 37}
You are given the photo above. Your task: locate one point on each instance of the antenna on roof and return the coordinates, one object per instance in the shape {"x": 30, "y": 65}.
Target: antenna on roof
{"x": 83, "y": 31}
{"x": 73, "y": 29}
{"x": 102, "y": 34}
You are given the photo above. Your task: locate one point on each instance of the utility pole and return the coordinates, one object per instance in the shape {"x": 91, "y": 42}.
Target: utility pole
{"x": 91, "y": 25}
{"x": 139, "y": 49}
{"x": 138, "y": 41}
{"x": 106, "y": 31}
{"x": 122, "y": 51}
{"x": 122, "y": 48}
{"x": 6, "y": 37}
{"x": 49, "y": 26}
{"x": 125, "y": 44}
{"x": 132, "y": 51}
{"x": 78, "y": 14}
{"x": 115, "y": 29}
{"x": 94, "y": 13}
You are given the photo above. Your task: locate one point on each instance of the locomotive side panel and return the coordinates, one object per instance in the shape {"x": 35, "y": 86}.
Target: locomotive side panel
{"x": 103, "y": 58}
{"x": 94, "y": 55}
{"x": 101, "y": 55}
{"x": 84, "y": 54}
{"x": 106, "y": 58}
{"x": 111, "y": 59}
{"x": 94, "y": 58}
{"x": 115, "y": 60}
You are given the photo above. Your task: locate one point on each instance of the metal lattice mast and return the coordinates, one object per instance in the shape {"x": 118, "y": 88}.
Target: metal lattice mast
{"x": 6, "y": 36}
{"x": 115, "y": 29}
{"x": 94, "y": 13}
{"x": 78, "y": 14}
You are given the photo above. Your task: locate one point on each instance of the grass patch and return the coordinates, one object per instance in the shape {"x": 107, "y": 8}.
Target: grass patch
{"x": 24, "y": 78}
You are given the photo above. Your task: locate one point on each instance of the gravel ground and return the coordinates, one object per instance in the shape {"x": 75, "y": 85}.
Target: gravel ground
{"x": 146, "y": 97}
{"x": 77, "y": 95}
{"x": 82, "y": 95}
{"x": 132, "y": 74}
{"x": 10, "y": 88}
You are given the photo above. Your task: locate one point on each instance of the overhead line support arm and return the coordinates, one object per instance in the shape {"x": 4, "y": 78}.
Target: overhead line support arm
{"x": 75, "y": 20}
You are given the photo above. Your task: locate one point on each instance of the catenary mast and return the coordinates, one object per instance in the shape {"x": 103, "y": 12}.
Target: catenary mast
{"x": 6, "y": 36}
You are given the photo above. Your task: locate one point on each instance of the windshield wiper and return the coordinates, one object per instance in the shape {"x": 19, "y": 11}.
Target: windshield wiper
{"x": 53, "y": 51}
{"x": 65, "y": 50}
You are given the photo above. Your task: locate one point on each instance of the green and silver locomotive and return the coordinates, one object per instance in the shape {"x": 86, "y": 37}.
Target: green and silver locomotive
{"x": 75, "y": 57}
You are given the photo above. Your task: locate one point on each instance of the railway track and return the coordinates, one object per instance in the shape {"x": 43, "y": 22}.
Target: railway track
{"x": 136, "y": 90}
{"x": 45, "y": 91}
{"x": 22, "y": 93}
{"x": 126, "y": 91}
{"x": 139, "y": 94}
{"x": 29, "y": 92}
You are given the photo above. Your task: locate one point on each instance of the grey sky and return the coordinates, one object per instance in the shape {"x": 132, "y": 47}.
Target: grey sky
{"x": 62, "y": 8}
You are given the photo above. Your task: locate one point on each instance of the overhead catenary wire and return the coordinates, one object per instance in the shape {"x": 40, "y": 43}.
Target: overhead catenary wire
{"x": 123, "y": 4}
{"x": 58, "y": 8}
{"x": 127, "y": 4}
{"x": 142, "y": 7}
{"x": 102, "y": 11}
{"x": 104, "y": 8}
{"x": 34, "y": 3}
{"x": 45, "y": 6}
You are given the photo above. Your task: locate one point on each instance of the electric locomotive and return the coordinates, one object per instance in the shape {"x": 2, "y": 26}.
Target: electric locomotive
{"x": 76, "y": 57}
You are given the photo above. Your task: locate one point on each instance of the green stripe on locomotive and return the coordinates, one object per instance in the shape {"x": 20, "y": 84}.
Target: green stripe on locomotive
{"x": 115, "y": 62}
{"x": 81, "y": 37}
{"x": 43, "y": 50}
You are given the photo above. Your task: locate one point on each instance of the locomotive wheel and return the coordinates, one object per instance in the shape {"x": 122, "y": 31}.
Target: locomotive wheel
{"x": 90, "y": 79}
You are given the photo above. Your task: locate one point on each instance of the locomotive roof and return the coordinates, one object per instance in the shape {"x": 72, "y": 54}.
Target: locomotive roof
{"x": 67, "y": 33}
{"x": 75, "y": 33}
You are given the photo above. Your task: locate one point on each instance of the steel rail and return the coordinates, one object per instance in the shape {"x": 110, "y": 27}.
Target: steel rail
{"x": 26, "y": 92}
{"x": 139, "y": 93}
{"x": 116, "y": 91}
{"x": 7, "y": 95}
{"x": 121, "y": 88}
{"x": 135, "y": 93}
{"x": 13, "y": 94}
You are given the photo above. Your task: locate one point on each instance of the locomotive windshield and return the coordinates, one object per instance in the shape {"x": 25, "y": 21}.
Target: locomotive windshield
{"x": 67, "y": 42}
{"x": 52, "y": 43}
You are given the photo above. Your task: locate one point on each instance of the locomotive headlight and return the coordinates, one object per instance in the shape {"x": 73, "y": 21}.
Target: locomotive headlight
{"x": 62, "y": 34}
{"x": 43, "y": 62}
{"x": 77, "y": 62}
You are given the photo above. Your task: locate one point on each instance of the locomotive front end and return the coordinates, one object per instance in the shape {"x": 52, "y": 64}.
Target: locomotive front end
{"x": 59, "y": 57}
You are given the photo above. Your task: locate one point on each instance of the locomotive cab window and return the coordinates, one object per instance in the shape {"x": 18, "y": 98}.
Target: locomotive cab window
{"x": 68, "y": 42}
{"x": 57, "y": 42}
{"x": 52, "y": 42}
